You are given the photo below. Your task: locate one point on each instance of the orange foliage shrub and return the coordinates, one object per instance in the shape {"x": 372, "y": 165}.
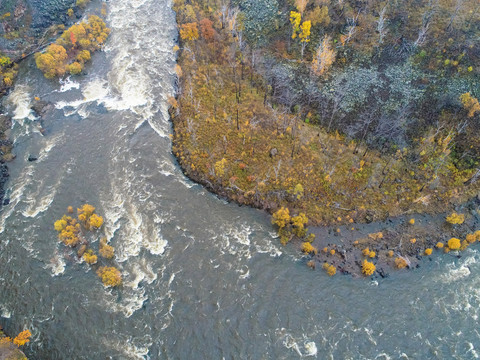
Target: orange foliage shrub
{"x": 206, "y": 29}
{"x": 400, "y": 263}
{"x": 22, "y": 338}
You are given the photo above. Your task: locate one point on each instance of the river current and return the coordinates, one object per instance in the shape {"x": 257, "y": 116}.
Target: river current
{"x": 203, "y": 279}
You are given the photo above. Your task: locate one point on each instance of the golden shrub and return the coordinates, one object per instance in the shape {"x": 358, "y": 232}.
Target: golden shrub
{"x": 470, "y": 238}
{"x": 59, "y": 225}
{"x": 106, "y": 251}
{"x": 281, "y": 218}
{"x": 111, "y": 276}
{"x": 368, "y": 268}
{"x": 95, "y": 221}
{"x": 390, "y": 253}
{"x": 477, "y": 235}
{"x": 332, "y": 252}
{"x": 90, "y": 257}
{"x": 455, "y": 218}
{"x": 454, "y": 244}
{"x": 366, "y": 252}
{"x": 428, "y": 251}
{"x": 411, "y": 221}
{"x": 439, "y": 245}
{"x": 308, "y": 248}
{"x": 400, "y": 263}
{"x": 330, "y": 269}
{"x": 372, "y": 254}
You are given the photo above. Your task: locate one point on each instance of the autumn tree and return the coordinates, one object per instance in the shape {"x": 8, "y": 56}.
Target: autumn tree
{"x": 470, "y": 104}
{"x": 22, "y": 338}
{"x": 52, "y": 62}
{"x": 305, "y": 34}
{"x": 110, "y": 276}
{"x": 319, "y": 16}
{"x": 206, "y": 29}
{"x": 301, "y": 5}
{"x": 324, "y": 57}
{"x": 189, "y": 31}
{"x": 295, "y": 20}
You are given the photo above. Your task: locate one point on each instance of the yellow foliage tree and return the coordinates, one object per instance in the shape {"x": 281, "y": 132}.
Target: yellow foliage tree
{"x": 189, "y": 31}
{"x": 281, "y": 218}
{"x": 110, "y": 276}
{"x": 470, "y": 104}
{"x": 299, "y": 223}
{"x": 52, "y": 62}
{"x": 220, "y": 167}
{"x": 305, "y": 31}
{"x": 85, "y": 212}
{"x": 368, "y": 268}
{"x": 309, "y": 248}
{"x": 295, "y": 20}
{"x": 428, "y": 251}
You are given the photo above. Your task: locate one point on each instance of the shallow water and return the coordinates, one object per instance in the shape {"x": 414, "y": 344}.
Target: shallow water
{"x": 203, "y": 279}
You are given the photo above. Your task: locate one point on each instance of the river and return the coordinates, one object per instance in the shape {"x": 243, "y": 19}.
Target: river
{"x": 203, "y": 279}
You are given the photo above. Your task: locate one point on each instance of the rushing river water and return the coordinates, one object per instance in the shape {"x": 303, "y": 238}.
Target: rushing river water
{"x": 203, "y": 279}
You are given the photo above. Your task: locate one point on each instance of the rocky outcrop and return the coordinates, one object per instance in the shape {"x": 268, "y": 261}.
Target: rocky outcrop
{"x": 24, "y": 24}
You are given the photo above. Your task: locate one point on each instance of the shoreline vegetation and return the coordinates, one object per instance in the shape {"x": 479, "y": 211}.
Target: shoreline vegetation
{"x": 19, "y": 39}
{"x": 329, "y": 115}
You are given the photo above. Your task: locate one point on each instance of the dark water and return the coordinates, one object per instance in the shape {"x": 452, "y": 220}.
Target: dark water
{"x": 203, "y": 279}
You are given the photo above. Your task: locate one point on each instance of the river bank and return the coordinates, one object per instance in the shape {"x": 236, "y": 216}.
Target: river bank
{"x": 233, "y": 136}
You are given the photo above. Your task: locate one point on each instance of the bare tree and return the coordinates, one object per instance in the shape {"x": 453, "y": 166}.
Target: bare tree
{"x": 382, "y": 25}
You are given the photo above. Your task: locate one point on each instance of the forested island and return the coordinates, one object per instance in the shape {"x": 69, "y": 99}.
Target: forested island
{"x": 336, "y": 113}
